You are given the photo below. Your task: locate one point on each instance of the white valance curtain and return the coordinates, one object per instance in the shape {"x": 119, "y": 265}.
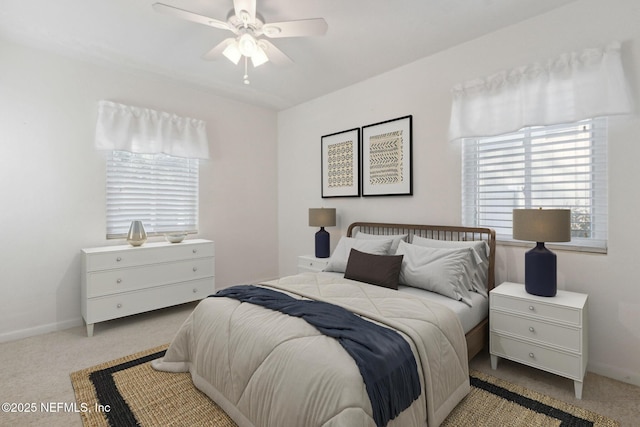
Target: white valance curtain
{"x": 566, "y": 89}
{"x": 142, "y": 130}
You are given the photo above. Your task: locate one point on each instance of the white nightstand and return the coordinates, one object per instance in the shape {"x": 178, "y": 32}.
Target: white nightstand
{"x": 549, "y": 333}
{"x": 311, "y": 263}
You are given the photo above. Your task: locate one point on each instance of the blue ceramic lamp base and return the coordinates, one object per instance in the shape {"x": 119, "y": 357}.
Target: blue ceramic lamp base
{"x": 322, "y": 243}
{"x": 540, "y": 271}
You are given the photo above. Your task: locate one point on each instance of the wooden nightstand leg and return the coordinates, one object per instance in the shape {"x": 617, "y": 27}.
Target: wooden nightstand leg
{"x": 494, "y": 362}
{"x": 577, "y": 385}
{"x": 89, "y": 329}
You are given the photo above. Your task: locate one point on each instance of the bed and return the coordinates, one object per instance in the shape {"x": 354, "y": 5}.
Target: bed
{"x": 270, "y": 367}
{"x": 477, "y": 336}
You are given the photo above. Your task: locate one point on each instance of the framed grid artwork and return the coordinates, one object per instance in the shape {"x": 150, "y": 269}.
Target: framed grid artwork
{"x": 386, "y": 158}
{"x": 341, "y": 164}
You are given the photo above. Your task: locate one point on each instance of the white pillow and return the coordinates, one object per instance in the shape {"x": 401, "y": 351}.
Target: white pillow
{"x": 340, "y": 256}
{"x": 436, "y": 270}
{"x": 480, "y": 274}
{"x": 394, "y": 245}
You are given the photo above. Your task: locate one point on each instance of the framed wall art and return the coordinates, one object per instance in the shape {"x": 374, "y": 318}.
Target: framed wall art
{"x": 341, "y": 164}
{"x": 386, "y": 158}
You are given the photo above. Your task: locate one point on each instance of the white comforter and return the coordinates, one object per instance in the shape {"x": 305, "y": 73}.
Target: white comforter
{"x": 267, "y": 369}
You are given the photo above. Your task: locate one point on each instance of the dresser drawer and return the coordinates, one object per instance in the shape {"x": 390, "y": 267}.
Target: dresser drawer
{"x": 535, "y": 308}
{"x": 554, "y": 361}
{"x": 126, "y": 256}
{"x": 107, "y": 282}
{"x": 127, "y": 303}
{"x": 533, "y": 329}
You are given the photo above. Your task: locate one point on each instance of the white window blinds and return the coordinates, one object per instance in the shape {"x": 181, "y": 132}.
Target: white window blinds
{"x": 158, "y": 189}
{"x": 558, "y": 166}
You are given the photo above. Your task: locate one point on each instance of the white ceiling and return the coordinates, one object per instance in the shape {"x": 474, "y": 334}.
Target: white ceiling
{"x": 365, "y": 38}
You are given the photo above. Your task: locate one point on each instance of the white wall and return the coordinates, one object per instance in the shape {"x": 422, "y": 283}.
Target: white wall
{"x": 423, "y": 90}
{"x": 52, "y": 190}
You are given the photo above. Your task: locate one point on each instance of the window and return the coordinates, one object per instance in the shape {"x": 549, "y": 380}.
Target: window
{"x": 158, "y": 189}
{"x": 558, "y": 166}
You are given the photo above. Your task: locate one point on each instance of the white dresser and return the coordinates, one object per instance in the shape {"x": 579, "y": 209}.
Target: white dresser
{"x": 311, "y": 263}
{"x": 122, "y": 280}
{"x": 549, "y": 333}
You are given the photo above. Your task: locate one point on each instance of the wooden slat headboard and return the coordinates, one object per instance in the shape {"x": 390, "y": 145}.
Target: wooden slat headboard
{"x": 438, "y": 232}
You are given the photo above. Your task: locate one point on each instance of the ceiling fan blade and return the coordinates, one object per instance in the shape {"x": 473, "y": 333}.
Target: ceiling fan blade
{"x": 301, "y": 28}
{"x": 217, "y": 50}
{"x": 274, "y": 54}
{"x": 190, "y": 16}
{"x": 248, "y": 6}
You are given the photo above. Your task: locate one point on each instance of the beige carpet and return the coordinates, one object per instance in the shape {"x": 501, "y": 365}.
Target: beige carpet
{"x": 127, "y": 391}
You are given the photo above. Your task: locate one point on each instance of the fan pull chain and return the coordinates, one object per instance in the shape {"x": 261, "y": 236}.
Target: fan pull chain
{"x": 246, "y": 74}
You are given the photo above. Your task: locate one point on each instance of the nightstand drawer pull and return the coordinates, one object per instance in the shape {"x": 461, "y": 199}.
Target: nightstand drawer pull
{"x": 118, "y": 259}
{"x": 531, "y": 329}
{"x": 195, "y": 290}
{"x": 119, "y": 281}
{"x": 195, "y": 251}
{"x": 195, "y": 268}
{"x": 119, "y": 305}
{"x": 532, "y": 308}
{"x": 531, "y": 355}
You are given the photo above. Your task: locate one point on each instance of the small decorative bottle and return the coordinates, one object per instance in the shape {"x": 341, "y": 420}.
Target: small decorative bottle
{"x": 136, "y": 236}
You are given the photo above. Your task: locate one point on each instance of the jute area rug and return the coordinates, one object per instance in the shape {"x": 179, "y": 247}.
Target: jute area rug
{"x": 129, "y": 392}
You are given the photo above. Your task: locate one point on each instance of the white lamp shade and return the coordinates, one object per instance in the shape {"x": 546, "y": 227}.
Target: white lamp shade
{"x": 542, "y": 225}
{"x": 232, "y": 52}
{"x": 259, "y": 57}
{"x": 322, "y": 217}
{"x": 247, "y": 44}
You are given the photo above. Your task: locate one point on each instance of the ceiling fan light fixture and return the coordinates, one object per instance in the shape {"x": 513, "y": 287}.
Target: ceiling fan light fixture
{"x": 259, "y": 57}
{"x": 247, "y": 44}
{"x": 232, "y": 52}
{"x": 248, "y": 27}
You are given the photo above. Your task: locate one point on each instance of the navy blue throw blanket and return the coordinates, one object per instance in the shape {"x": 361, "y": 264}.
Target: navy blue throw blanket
{"x": 384, "y": 358}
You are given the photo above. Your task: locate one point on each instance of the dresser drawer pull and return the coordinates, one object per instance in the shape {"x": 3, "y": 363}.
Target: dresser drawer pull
{"x": 532, "y": 308}
{"x": 118, "y": 259}
{"x": 195, "y": 290}
{"x": 531, "y": 355}
{"x": 195, "y": 268}
{"x": 195, "y": 251}
{"x": 119, "y": 305}
{"x": 531, "y": 329}
{"x": 119, "y": 281}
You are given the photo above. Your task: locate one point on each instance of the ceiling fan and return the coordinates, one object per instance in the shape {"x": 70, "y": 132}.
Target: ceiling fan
{"x": 249, "y": 28}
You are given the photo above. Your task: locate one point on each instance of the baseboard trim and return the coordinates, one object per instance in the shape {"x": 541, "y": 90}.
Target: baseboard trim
{"x": 40, "y": 330}
{"x": 615, "y": 373}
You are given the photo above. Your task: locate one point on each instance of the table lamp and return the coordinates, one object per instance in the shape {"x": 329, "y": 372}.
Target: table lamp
{"x": 540, "y": 264}
{"x": 321, "y": 217}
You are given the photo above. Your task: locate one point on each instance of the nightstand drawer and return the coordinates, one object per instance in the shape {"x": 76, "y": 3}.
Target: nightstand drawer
{"x": 557, "y": 362}
{"x": 532, "y": 329}
{"x": 531, "y": 307}
{"x": 311, "y": 263}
